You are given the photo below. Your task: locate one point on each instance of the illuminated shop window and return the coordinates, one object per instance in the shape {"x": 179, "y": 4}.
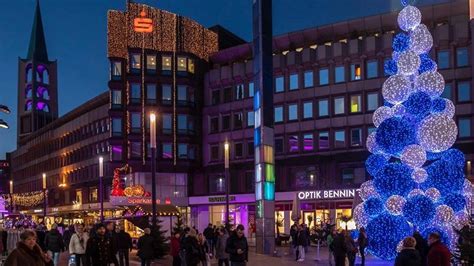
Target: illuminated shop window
{"x": 339, "y": 139}
{"x": 308, "y": 143}
{"x": 116, "y": 70}
{"x": 293, "y": 143}
{"x": 135, "y": 62}
{"x": 93, "y": 194}
{"x": 372, "y": 101}
{"x": 443, "y": 59}
{"x": 250, "y": 119}
{"x": 323, "y": 76}
{"x": 166, "y": 94}
{"x": 278, "y": 113}
{"x": 372, "y": 69}
{"x": 190, "y": 65}
{"x": 339, "y": 74}
{"x": 308, "y": 79}
{"x": 294, "y": 81}
{"x": 462, "y": 57}
{"x": 356, "y": 137}
{"x": 355, "y": 72}
{"x": 151, "y": 63}
{"x": 340, "y": 213}
{"x": 166, "y": 63}
{"x": 182, "y": 63}
{"x": 356, "y": 104}
{"x": 78, "y": 198}
{"x": 167, "y": 151}
{"x": 251, "y": 89}
{"x": 339, "y": 106}
{"x": 323, "y": 107}
{"x": 307, "y": 110}
{"x": 292, "y": 112}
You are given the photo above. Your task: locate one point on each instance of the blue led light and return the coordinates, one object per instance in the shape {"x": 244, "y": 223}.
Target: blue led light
{"x": 438, "y": 105}
{"x": 401, "y": 42}
{"x": 375, "y": 163}
{"x": 454, "y": 156}
{"x": 455, "y": 201}
{"x": 394, "y": 134}
{"x": 390, "y": 67}
{"x": 388, "y": 104}
{"x": 443, "y": 235}
{"x": 373, "y": 206}
{"x": 418, "y": 104}
{"x": 426, "y": 64}
{"x": 385, "y": 232}
{"x": 419, "y": 210}
{"x": 394, "y": 179}
{"x": 433, "y": 155}
{"x": 444, "y": 176}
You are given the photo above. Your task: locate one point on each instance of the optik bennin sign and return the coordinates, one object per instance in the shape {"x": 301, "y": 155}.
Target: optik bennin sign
{"x": 327, "y": 194}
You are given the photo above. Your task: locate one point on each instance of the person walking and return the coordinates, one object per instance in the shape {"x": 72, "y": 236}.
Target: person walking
{"x": 302, "y": 242}
{"x": 339, "y": 247}
{"x": 191, "y": 246}
{"x": 174, "y": 248}
{"x": 294, "y": 239}
{"x": 439, "y": 254}
{"x": 221, "y": 254}
{"x": 28, "y": 252}
{"x": 237, "y": 247}
{"x": 40, "y": 236}
{"x": 351, "y": 248}
{"x": 203, "y": 250}
{"x": 54, "y": 243}
{"x": 124, "y": 245}
{"x": 68, "y": 234}
{"x": 145, "y": 247}
{"x": 209, "y": 234}
{"x": 77, "y": 245}
{"x": 409, "y": 256}
{"x": 329, "y": 241}
{"x": 362, "y": 242}
{"x": 99, "y": 248}
{"x": 421, "y": 246}
{"x": 110, "y": 226}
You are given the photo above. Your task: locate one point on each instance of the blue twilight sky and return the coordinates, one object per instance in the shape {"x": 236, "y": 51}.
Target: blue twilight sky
{"x": 76, "y": 36}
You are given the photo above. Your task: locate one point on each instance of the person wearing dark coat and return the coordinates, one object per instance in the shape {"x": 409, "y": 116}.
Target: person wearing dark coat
{"x": 209, "y": 235}
{"x": 124, "y": 245}
{"x": 294, "y": 239}
{"x": 339, "y": 249}
{"x": 362, "y": 242}
{"x": 237, "y": 247}
{"x": 54, "y": 243}
{"x": 145, "y": 247}
{"x": 409, "y": 256}
{"x": 351, "y": 249}
{"x": 439, "y": 254}
{"x": 112, "y": 235}
{"x": 221, "y": 255}
{"x": 99, "y": 248}
{"x": 40, "y": 236}
{"x": 68, "y": 234}
{"x": 191, "y": 247}
{"x": 28, "y": 252}
{"x": 302, "y": 241}
{"x": 174, "y": 249}
{"x": 421, "y": 247}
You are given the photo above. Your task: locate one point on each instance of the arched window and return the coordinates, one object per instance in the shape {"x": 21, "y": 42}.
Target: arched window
{"x": 42, "y": 106}
{"x": 43, "y": 74}
{"x": 29, "y": 73}
{"x": 28, "y": 92}
{"x": 42, "y": 93}
{"x": 29, "y": 105}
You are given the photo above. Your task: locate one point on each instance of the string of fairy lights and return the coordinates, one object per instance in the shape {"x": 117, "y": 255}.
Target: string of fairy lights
{"x": 27, "y": 199}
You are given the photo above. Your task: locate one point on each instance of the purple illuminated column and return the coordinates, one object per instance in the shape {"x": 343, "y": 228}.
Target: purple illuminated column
{"x": 263, "y": 132}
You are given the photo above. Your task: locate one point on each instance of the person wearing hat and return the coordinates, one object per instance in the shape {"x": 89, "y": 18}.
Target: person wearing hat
{"x": 99, "y": 248}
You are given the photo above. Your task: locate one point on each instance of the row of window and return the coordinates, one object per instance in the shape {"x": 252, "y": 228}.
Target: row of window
{"x": 183, "y": 65}
{"x": 185, "y": 124}
{"x": 184, "y": 94}
{"x": 165, "y": 151}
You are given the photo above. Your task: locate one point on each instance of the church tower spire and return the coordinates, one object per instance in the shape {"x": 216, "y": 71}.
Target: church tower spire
{"x": 37, "y": 48}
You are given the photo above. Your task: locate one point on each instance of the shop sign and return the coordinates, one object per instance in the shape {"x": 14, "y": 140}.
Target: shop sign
{"x": 327, "y": 194}
{"x": 220, "y": 199}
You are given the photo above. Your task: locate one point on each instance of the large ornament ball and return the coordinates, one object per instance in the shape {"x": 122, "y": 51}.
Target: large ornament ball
{"x": 454, "y": 156}
{"x": 444, "y": 176}
{"x": 418, "y": 104}
{"x": 394, "y": 179}
{"x": 394, "y": 204}
{"x": 360, "y": 217}
{"x": 449, "y": 109}
{"x": 419, "y": 210}
{"x": 415, "y": 192}
{"x": 421, "y": 40}
{"x": 431, "y": 82}
{"x": 460, "y": 220}
{"x": 394, "y": 134}
{"x": 442, "y": 231}
{"x": 413, "y": 155}
{"x": 373, "y": 206}
{"x": 396, "y": 89}
{"x": 426, "y": 64}
{"x": 399, "y": 110}
{"x": 467, "y": 188}
{"x": 371, "y": 142}
{"x": 390, "y": 67}
{"x": 433, "y": 194}
{"x": 375, "y": 163}
{"x": 456, "y": 201}
{"x": 385, "y": 233}
{"x": 419, "y": 175}
{"x": 438, "y": 105}
{"x": 382, "y": 113}
{"x": 401, "y": 42}
{"x": 444, "y": 214}
{"x": 408, "y": 63}
{"x": 436, "y": 133}
{"x": 409, "y": 18}
{"x": 367, "y": 190}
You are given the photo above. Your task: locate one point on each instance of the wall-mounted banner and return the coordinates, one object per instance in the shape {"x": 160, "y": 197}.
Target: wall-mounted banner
{"x": 327, "y": 194}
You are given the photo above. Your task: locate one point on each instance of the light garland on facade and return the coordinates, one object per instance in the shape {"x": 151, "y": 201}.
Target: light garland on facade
{"x": 29, "y": 199}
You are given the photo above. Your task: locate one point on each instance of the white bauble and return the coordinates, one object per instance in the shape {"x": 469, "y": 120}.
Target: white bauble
{"x": 382, "y": 113}
{"x": 433, "y": 194}
{"x": 421, "y": 40}
{"x": 394, "y": 204}
{"x": 360, "y": 218}
{"x": 413, "y": 155}
{"x": 367, "y": 190}
{"x": 437, "y": 133}
{"x": 419, "y": 175}
{"x": 415, "y": 192}
{"x": 431, "y": 82}
{"x": 371, "y": 142}
{"x": 409, "y": 18}
{"x": 460, "y": 220}
{"x": 449, "y": 109}
{"x": 396, "y": 89}
{"x": 408, "y": 63}
{"x": 467, "y": 189}
{"x": 444, "y": 214}
{"x": 399, "y": 110}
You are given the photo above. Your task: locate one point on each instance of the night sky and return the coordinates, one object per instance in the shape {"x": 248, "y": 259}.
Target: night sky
{"x": 76, "y": 36}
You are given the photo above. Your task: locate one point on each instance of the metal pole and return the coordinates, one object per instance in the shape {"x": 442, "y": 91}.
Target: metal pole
{"x": 11, "y": 196}
{"x": 227, "y": 190}
{"x": 101, "y": 188}
{"x": 153, "y": 166}
{"x": 44, "y": 198}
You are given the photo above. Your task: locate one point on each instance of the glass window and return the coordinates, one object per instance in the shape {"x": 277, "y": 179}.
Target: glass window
{"x": 216, "y": 184}
{"x": 167, "y": 123}
{"x": 239, "y": 92}
{"x": 307, "y": 110}
{"x": 93, "y": 194}
{"x": 166, "y": 63}
{"x": 136, "y": 92}
{"x": 214, "y": 124}
{"x": 226, "y": 122}
{"x": 355, "y": 72}
{"x": 323, "y": 76}
{"x": 182, "y": 63}
{"x": 323, "y": 107}
{"x": 182, "y": 93}
{"x": 182, "y": 151}
{"x": 182, "y": 123}
{"x": 227, "y": 95}
{"x": 238, "y": 120}
{"x": 214, "y": 153}
{"x": 448, "y": 91}
{"x": 116, "y": 126}
{"x": 151, "y": 92}
{"x": 135, "y": 61}
{"x": 372, "y": 101}
{"x": 372, "y": 69}
{"x": 167, "y": 151}
{"x": 356, "y": 137}
{"x": 116, "y": 97}
{"x": 443, "y": 59}
{"x": 116, "y": 69}
{"x": 216, "y": 97}
{"x": 356, "y": 104}
{"x": 250, "y": 119}
{"x": 239, "y": 151}
{"x": 308, "y": 142}
{"x": 116, "y": 153}
{"x": 323, "y": 140}
{"x": 464, "y": 127}
{"x": 464, "y": 91}
{"x": 339, "y": 139}
{"x": 136, "y": 121}
{"x": 166, "y": 94}
{"x": 347, "y": 174}
{"x": 151, "y": 63}
{"x": 279, "y": 84}
{"x": 339, "y": 105}
{"x": 294, "y": 81}
{"x": 190, "y": 65}
{"x": 135, "y": 149}
{"x": 462, "y": 58}
{"x": 308, "y": 79}
{"x": 293, "y": 143}
{"x": 251, "y": 89}
{"x": 250, "y": 148}
{"x": 292, "y": 112}
{"x": 278, "y": 145}
{"x": 278, "y": 114}
{"x": 340, "y": 75}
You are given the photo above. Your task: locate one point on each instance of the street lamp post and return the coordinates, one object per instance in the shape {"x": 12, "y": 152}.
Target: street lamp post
{"x": 11, "y": 196}
{"x": 226, "y": 175}
{"x": 101, "y": 188}
{"x": 44, "y": 198}
{"x": 153, "y": 166}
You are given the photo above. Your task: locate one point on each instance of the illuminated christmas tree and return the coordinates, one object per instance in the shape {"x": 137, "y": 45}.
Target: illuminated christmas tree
{"x": 418, "y": 180}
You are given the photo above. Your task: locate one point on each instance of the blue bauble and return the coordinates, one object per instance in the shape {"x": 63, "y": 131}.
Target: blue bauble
{"x": 426, "y": 64}
{"x": 433, "y": 155}
{"x": 419, "y": 210}
{"x": 438, "y": 105}
{"x": 455, "y": 201}
{"x": 454, "y": 156}
{"x": 418, "y": 104}
{"x": 385, "y": 232}
{"x": 390, "y": 67}
{"x": 394, "y": 134}
{"x": 401, "y": 42}
{"x": 374, "y": 163}
{"x": 373, "y": 206}
{"x": 394, "y": 179}
{"x": 445, "y": 176}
